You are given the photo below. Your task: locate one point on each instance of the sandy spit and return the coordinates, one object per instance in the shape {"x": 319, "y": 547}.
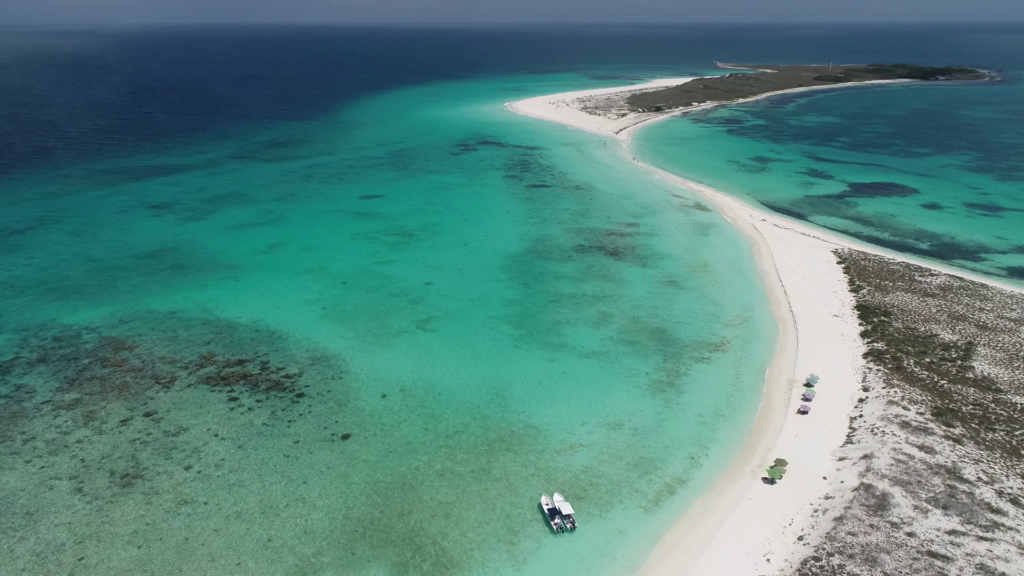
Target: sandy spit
{"x": 741, "y": 525}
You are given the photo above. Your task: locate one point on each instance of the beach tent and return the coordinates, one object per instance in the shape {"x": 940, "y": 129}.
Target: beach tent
{"x": 773, "y": 473}
{"x": 807, "y": 397}
{"x": 804, "y": 408}
{"x": 781, "y": 462}
{"x": 812, "y": 379}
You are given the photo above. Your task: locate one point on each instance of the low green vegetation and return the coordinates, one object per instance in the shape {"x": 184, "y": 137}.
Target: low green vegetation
{"x": 931, "y": 337}
{"x": 763, "y": 79}
{"x": 901, "y": 72}
{"x": 935, "y": 442}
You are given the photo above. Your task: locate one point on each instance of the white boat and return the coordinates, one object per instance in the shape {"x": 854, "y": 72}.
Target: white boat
{"x": 565, "y": 509}
{"x": 551, "y": 512}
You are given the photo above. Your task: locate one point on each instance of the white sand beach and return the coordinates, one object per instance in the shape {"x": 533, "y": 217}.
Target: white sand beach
{"x": 740, "y": 525}
{"x": 569, "y": 107}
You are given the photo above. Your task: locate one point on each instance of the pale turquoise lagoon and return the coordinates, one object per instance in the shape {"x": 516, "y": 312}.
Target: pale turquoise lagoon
{"x": 456, "y": 307}
{"x": 931, "y": 170}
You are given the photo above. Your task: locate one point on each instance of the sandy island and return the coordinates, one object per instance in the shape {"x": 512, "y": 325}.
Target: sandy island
{"x": 741, "y": 526}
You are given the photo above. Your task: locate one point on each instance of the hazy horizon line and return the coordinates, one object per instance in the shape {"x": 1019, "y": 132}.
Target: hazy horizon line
{"x": 492, "y": 24}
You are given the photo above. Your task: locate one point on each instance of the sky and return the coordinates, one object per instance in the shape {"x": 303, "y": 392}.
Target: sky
{"x": 503, "y": 11}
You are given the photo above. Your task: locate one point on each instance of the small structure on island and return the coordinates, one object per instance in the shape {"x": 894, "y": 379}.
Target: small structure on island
{"x": 777, "y": 470}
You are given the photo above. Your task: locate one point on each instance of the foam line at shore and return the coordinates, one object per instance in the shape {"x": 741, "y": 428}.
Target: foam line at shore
{"x": 739, "y": 525}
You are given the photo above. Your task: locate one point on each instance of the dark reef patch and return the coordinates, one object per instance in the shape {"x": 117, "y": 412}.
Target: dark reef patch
{"x": 1014, "y": 272}
{"x": 113, "y": 176}
{"x": 283, "y": 149}
{"x": 989, "y": 207}
{"x": 818, "y": 174}
{"x": 197, "y": 209}
{"x": 130, "y": 391}
{"x": 889, "y": 232}
{"x": 475, "y": 144}
{"x": 162, "y": 206}
{"x": 785, "y": 211}
{"x": 715, "y": 121}
{"x": 535, "y": 172}
{"x": 876, "y": 190}
{"x": 767, "y": 160}
{"x": 749, "y": 167}
{"x": 121, "y": 271}
{"x": 933, "y": 206}
{"x": 622, "y": 244}
{"x": 825, "y": 160}
{"x": 885, "y": 132}
{"x": 370, "y": 196}
{"x": 499, "y": 144}
{"x": 938, "y": 250}
{"x": 687, "y": 204}
{"x": 519, "y": 163}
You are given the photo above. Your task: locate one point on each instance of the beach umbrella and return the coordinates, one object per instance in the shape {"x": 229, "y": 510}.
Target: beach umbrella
{"x": 805, "y": 408}
{"x": 813, "y": 378}
{"x": 810, "y": 391}
{"x": 773, "y": 473}
{"x": 781, "y": 462}
{"x": 807, "y": 397}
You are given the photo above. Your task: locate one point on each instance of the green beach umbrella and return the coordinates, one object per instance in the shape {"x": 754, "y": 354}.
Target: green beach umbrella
{"x": 813, "y": 378}
{"x": 810, "y": 391}
{"x": 773, "y": 473}
{"x": 781, "y": 462}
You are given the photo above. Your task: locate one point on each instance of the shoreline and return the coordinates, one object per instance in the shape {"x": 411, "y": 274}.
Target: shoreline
{"x": 555, "y": 107}
{"x": 625, "y": 135}
{"x": 738, "y": 525}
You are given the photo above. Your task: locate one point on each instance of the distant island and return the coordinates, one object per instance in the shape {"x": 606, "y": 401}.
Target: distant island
{"x": 771, "y": 78}
{"x": 619, "y": 111}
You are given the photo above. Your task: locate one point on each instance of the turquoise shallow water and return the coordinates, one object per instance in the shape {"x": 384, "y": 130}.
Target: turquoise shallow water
{"x": 311, "y": 301}
{"x": 365, "y": 344}
{"x": 931, "y": 170}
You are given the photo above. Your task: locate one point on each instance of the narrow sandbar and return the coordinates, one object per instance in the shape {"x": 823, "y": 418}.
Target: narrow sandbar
{"x": 740, "y": 525}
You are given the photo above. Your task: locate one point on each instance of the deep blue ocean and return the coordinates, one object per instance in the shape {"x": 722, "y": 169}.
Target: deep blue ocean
{"x": 311, "y": 300}
{"x": 75, "y": 94}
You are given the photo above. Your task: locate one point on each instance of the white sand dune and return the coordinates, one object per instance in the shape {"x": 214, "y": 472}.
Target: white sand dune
{"x": 740, "y": 525}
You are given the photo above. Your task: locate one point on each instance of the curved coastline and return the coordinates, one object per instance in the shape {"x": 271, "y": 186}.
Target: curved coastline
{"x": 738, "y": 525}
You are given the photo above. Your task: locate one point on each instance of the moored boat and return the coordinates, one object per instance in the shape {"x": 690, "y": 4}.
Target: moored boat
{"x": 568, "y": 514}
{"x": 551, "y": 512}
